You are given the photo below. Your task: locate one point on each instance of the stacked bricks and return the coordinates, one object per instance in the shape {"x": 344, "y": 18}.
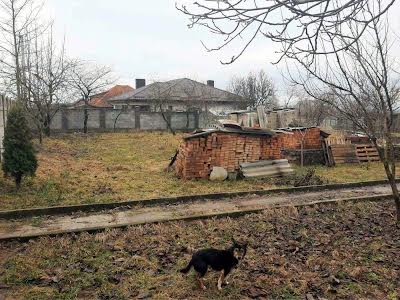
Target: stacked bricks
{"x": 312, "y": 139}
{"x": 198, "y": 155}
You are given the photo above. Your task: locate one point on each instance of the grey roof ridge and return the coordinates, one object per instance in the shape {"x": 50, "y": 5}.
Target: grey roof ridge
{"x": 137, "y": 92}
{"x": 131, "y": 93}
{"x": 236, "y": 95}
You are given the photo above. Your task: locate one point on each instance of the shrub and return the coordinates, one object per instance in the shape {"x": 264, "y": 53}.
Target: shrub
{"x": 19, "y": 155}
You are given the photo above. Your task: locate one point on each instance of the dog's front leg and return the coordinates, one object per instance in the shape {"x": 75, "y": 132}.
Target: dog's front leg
{"x": 221, "y": 280}
{"x": 201, "y": 282}
{"x": 226, "y": 279}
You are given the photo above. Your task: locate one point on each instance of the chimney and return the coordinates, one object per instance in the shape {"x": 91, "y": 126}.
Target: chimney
{"x": 140, "y": 83}
{"x": 210, "y": 83}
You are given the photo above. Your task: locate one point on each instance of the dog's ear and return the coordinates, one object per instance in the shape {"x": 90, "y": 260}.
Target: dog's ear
{"x": 234, "y": 241}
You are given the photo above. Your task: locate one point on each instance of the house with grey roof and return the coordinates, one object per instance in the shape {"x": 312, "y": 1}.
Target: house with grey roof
{"x": 179, "y": 95}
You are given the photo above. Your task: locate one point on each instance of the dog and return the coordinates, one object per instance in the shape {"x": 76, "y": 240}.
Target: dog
{"x": 219, "y": 260}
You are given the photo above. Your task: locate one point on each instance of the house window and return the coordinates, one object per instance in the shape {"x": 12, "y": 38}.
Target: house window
{"x": 170, "y": 107}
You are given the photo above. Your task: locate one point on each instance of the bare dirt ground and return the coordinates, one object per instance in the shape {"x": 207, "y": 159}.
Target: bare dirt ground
{"x": 332, "y": 251}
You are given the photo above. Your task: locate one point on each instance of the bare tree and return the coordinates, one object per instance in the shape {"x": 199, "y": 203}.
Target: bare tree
{"x": 258, "y": 88}
{"x": 123, "y": 109}
{"x": 45, "y": 80}
{"x": 18, "y": 23}
{"x": 362, "y": 84}
{"x": 311, "y": 112}
{"x": 291, "y": 94}
{"x": 196, "y": 98}
{"x": 162, "y": 93}
{"x": 300, "y": 26}
{"x": 88, "y": 79}
{"x": 341, "y": 44}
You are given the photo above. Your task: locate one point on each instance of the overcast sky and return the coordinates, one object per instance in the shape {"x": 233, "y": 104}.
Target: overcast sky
{"x": 150, "y": 39}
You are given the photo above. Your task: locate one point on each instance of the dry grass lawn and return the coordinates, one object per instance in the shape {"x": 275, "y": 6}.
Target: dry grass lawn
{"x": 120, "y": 166}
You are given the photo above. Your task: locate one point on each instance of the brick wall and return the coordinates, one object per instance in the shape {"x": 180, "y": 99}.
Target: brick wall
{"x": 198, "y": 155}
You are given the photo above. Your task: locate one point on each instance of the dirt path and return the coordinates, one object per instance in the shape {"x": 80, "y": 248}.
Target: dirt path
{"x": 79, "y": 222}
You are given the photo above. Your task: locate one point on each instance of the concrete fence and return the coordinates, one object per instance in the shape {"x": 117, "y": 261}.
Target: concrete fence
{"x": 5, "y": 104}
{"x": 105, "y": 119}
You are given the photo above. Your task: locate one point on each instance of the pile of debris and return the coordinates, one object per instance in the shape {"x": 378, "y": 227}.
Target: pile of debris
{"x": 264, "y": 118}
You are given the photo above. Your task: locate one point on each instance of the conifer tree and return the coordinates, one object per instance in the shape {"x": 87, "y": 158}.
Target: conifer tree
{"x": 19, "y": 154}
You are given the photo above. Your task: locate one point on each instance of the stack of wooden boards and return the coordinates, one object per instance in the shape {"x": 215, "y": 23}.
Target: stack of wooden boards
{"x": 266, "y": 168}
{"x": 344, "y": 154}
{"x": 353, "y": 153}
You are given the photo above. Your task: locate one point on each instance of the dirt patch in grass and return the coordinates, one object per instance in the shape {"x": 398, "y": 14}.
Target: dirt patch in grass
{"x": 76, "y": 169}
{"x": 338, "y": 251}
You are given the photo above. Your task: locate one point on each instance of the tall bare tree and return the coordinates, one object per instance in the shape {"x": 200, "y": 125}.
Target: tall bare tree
{"x": 311, "y": 112}
{"x": 340, "y": 44}
{"x": 45, "y": 80}
{"x": 258, "y": 88}
{"x": 89, "y": 79}
{"x": 299, "y": 26}
{"x": 363, "y": 85}
{"x": 18, "y": 23}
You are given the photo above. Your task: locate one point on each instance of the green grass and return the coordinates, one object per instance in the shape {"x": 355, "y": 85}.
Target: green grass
{"x": 107, "y": 167}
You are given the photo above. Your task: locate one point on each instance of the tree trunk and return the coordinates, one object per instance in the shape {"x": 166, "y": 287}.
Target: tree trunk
{"x": 47, "y": 123}
{"x": 116, "y": 120}
{"x": 302, "y": 153}
{"x": 392, "y": 181}
{"x": 387, "y": 160}
{"x": 85, "y": 120}
{"x": 40, "y": 132}
{"x": 18, "y": 180}
{"x": 40, "y": 137}
{"x": 167, "y": 122}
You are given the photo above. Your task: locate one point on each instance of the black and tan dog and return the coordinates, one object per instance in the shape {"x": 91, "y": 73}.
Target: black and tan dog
{"x": 219, "y": 260}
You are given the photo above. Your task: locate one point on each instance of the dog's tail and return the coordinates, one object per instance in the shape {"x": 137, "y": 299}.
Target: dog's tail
{"x": 187, "y": 269}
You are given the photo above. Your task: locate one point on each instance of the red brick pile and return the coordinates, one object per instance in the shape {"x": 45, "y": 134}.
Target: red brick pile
{"x": 312, "y": 139}
{"x": 199, "y": 154}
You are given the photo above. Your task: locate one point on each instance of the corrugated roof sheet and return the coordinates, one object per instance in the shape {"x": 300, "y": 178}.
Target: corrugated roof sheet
{"x": 245, "y": 131}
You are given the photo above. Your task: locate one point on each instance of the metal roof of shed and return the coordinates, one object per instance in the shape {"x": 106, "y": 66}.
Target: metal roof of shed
{"x": 244, "y": 131}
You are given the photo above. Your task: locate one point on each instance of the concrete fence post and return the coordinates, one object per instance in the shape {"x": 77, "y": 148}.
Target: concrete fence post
{"x": 102, "y": 117}
{"x": 64, "y": 120}
{"x": 196, "y": 120}
{"x": 137, "y": 119}
{"x": 169, "y": 119}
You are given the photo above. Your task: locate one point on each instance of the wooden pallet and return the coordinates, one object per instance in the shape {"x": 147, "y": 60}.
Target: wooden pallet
{"x": 344, "y": 154}
{"x": 329, "y": 161}
{"x": 367, "y": 153}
